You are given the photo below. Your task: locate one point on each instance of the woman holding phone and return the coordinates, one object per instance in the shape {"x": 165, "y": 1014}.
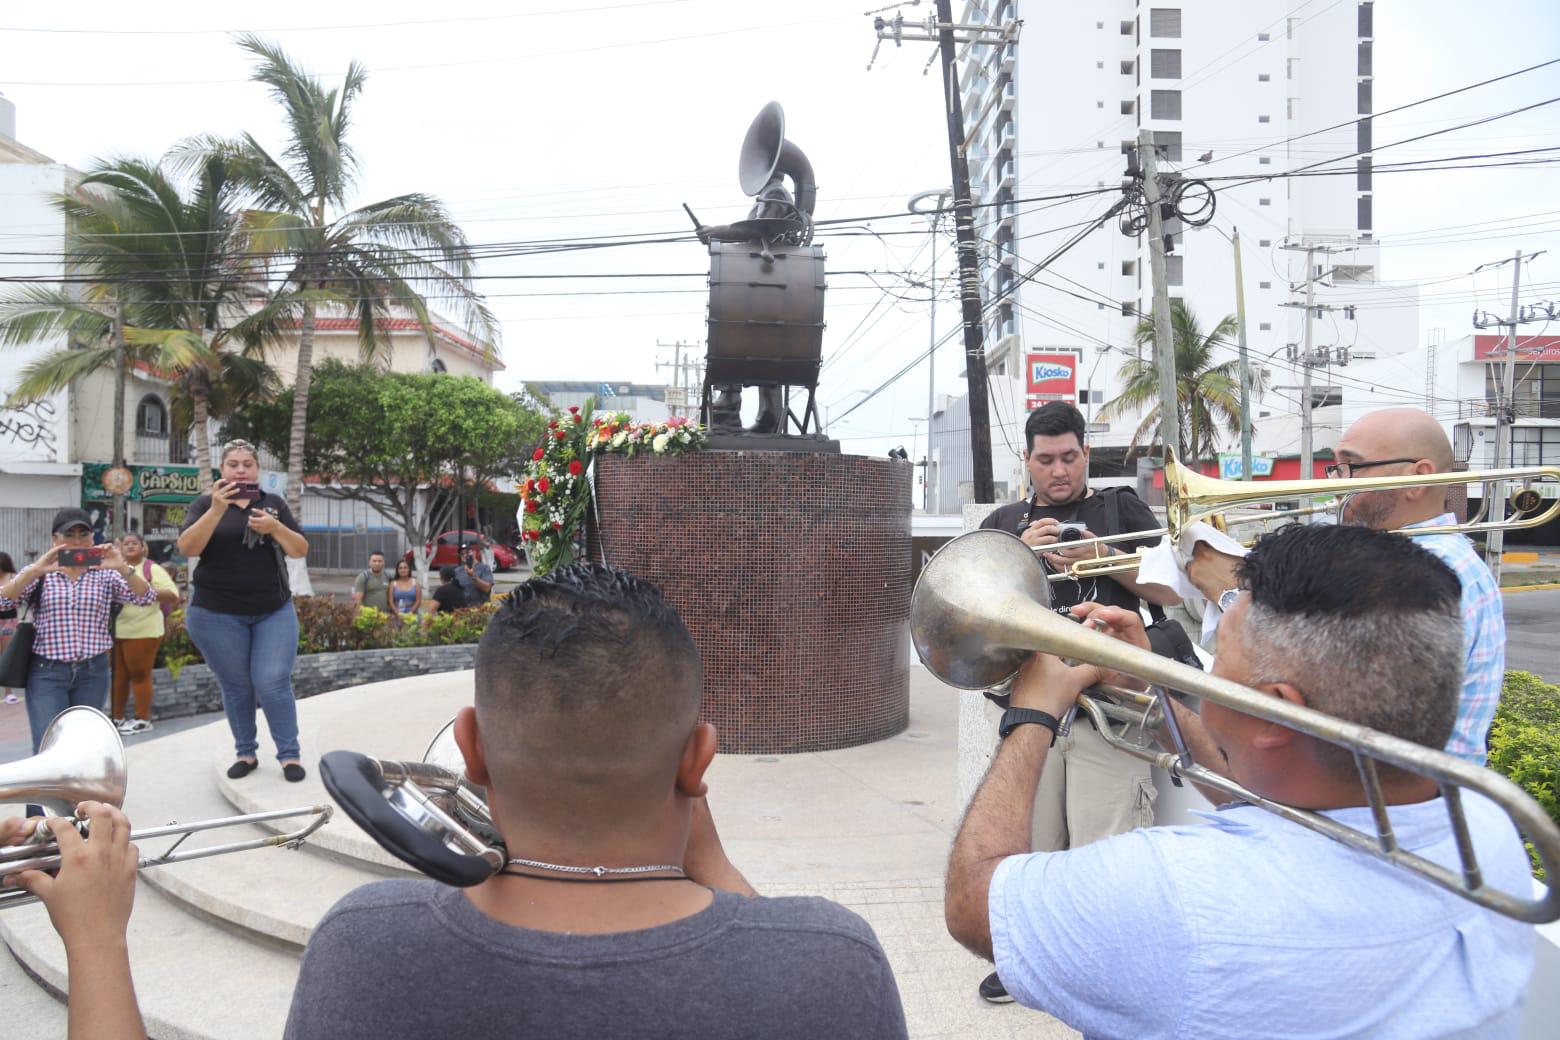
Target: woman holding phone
{"x": 241, "y": 615}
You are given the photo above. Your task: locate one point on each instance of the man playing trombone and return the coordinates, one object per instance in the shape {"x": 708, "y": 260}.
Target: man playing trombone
{"x": 1254, "y": 924}
{"x": 1393, "y": 442}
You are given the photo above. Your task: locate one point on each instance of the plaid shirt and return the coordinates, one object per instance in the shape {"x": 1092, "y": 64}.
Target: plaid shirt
{"x": 1484, "y": 639}
{"x": 72, "y": 617}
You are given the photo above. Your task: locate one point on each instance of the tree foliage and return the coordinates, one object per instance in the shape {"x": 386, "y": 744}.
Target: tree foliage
{"x": 1207, "y": 390}
{"x": 377, "y": 437}
{"x": 1525, "y": 741}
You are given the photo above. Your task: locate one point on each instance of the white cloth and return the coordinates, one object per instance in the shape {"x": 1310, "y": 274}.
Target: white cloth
{"x": 1165, "y": 564}
{"x": 1254, "y": 926}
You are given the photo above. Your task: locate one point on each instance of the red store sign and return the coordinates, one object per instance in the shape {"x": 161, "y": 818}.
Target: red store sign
{"x": 1529, "y": 348}
{"x": 1052, "y": 376}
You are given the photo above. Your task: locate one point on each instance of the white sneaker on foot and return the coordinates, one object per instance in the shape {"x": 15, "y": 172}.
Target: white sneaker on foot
{"x": 136, "y": 726}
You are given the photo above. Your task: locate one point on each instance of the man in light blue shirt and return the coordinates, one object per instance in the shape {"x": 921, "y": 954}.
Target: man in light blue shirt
{"x": 1253, "y": 925}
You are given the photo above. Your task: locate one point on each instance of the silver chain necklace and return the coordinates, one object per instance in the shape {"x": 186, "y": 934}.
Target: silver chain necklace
{"x": 597, "y": 871}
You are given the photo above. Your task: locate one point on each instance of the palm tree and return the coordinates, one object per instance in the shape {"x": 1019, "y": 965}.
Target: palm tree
{"x": 163, "y": 287}
{"x": 368, "y": 259}
{"x": 1207, "y": 390}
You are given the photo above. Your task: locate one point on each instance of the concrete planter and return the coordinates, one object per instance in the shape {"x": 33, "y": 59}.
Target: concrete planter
{"x": 196, "y": 690}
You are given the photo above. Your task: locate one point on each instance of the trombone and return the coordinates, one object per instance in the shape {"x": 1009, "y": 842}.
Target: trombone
{"x": 982, "y": 605}
{"x": 1191, "y": 498}
{"x": 81, "y": 758}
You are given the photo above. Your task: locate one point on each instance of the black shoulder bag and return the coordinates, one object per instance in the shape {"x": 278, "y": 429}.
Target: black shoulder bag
{"x": 1167, "y": 637}
{"x": 16, "y": 662}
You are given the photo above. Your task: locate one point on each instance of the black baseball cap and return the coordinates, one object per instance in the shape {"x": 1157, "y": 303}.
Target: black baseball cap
{"x": 70, "y": 517}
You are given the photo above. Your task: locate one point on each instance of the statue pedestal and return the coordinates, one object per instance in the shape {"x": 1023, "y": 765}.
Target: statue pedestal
{"x": 791, "y": 571}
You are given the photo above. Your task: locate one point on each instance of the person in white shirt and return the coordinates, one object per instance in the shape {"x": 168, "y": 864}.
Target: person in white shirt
{"x": 1253, "y": 925}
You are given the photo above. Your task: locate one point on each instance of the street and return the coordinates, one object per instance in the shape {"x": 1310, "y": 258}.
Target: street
{"x": 1533, "y": 632}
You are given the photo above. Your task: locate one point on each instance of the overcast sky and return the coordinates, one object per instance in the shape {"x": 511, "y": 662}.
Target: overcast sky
{"x": 562, "y": 119}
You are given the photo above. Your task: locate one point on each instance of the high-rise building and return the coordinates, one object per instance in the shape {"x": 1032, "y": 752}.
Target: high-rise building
{"x": 1229, "y": 88}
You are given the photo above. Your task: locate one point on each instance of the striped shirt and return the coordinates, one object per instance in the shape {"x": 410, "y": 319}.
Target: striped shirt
{"x": 72, "y": 617}
{"x": 1484, "y": 639}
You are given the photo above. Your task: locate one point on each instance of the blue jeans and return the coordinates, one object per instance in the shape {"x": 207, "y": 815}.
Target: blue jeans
{"x": 252, "y": 657}
{"x": 53, "y": 686}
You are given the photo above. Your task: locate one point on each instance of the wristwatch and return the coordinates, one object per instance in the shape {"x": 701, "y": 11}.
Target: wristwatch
{"x": 1016, "y": 717}
{"x": 1227, "y": 598}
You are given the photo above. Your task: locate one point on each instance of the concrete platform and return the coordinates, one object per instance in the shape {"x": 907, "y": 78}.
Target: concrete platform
{"x": 867, "y": 826}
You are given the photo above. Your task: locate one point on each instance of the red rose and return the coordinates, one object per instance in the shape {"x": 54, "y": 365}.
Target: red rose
{"x": 535, "y": 536}
{"x": 576, "y": 467}
{"x": 560, "y": 435}
{"x": 552, "y": 424}
{"x": 557, "y": 526}
{"x": 530, "y": 505}
{"x": 543, "y": 485}
{"x": 538, "y": 456}
{"x": 574, "y": 409}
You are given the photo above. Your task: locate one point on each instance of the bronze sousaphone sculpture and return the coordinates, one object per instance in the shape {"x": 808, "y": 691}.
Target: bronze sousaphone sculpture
{"x": 766, "y": 289}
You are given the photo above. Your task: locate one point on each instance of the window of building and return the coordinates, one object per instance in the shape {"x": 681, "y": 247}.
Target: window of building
{"x": 1165, "y": 104}
{"x": 1264, "y": 202}
{"x": 1128, "y": 67}
{"x": 1164, "y": 22}
{"x": 1099, "y": 104}
{"x": 151, "y": 417}
{"x": 1364, "y": 67}
{"x": 1099, "y": 64}
{"x": 1364, "y": 208}
{"x": 1266, "y": 326}
{"x": 1362, "y": 138}
{"x": 1264, "y": 119}
{"x": 1362, "y": 166}
{"x": 1127, "y": 28}
{"x": 1264, "y": 285}
{"x": 1264, "y": 242}
{"x": 1128, "y": 107}
{"x": 1126, "y": 308}
{"x": 1263, "y": 77}
{"x": 1099, "y": 25}
{"x": 1364, "y": 97}
{"x": 1164, "y": 64}
{"x": 1128, "y": 267}
{"x": 1263, "y": 37}
{"x": 1167, "y": 145}
{"x": 1367, "y": 23}
{"x": 1264, "y": 160}
{"x": 1175, "y": 270}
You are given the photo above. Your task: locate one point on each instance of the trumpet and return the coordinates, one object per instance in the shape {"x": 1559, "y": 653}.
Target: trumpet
{"x": 81, "y": 758}
{"x": 1192, "y": 498}
{"x": 982, "y": 605}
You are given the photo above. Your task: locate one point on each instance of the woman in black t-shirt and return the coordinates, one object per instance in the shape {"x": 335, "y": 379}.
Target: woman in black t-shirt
{"x": 241, "y": 613}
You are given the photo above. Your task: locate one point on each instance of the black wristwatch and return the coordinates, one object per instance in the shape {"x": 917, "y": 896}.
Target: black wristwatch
{"x": 1016, "y": 717}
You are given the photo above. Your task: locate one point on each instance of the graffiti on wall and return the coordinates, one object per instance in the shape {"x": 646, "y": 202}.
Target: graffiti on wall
{"x": 29, "y": 429}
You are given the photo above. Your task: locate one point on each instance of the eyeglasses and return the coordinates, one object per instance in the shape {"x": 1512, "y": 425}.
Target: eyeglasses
{"x": 1345, "y": 470}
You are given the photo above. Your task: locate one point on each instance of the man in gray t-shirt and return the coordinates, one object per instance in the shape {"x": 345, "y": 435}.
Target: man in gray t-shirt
{"x": 585, "y": 734}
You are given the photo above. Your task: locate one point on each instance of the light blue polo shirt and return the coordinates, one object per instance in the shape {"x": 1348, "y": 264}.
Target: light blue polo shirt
{"x": 1253, "y": 926}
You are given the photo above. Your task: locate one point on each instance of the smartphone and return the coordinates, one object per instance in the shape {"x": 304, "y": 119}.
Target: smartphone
{"x": 79, "y": 558}
{"x": 250, "y": 493}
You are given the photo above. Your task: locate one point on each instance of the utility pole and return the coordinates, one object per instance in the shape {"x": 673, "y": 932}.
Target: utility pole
{"x": 678, "y": 403}
{"x": 1245, "y": 370}
{"x": 1164, "y": 341}
{"x": 1309, "y": 357}
{"x": 940, "y": 196}
{"x": 941, "y": 28}
{"x": 1506, "y": 412}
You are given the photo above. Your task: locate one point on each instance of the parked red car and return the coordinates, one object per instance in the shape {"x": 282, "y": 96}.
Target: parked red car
{"x": 445, "y": 550}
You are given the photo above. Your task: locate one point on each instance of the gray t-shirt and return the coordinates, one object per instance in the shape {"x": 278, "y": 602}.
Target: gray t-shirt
{"x": 416, "y": 959}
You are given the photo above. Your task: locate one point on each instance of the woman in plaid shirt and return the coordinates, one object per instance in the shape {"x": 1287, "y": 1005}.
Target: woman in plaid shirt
{"x": 71, "y": 607}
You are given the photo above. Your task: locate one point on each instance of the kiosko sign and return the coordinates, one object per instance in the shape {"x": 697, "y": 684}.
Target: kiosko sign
{"x": 1053, "y": 376}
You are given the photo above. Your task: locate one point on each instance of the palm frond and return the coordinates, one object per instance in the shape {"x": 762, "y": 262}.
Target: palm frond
{"x": 31, "y": 313}
{"x": 48, "y": 375}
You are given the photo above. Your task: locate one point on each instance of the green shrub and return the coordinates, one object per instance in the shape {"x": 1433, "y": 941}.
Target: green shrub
{"x": 1525, "y": 742}
{"x": 326, "y": 626}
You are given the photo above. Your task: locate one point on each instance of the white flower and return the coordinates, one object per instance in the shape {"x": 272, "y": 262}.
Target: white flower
{"x": 659, "y": 444}
{"x": 683, "y": 436}
{"x": 618, "y": 438}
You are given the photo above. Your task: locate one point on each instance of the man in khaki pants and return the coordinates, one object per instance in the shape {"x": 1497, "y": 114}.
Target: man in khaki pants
{"x": 1087, "y": 791}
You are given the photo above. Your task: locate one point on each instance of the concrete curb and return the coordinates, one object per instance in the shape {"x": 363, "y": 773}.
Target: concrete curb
{"x": 1531, "y": 588}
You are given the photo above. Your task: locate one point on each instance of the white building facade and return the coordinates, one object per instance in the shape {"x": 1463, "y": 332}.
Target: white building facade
{"x": 1249, "y": 81}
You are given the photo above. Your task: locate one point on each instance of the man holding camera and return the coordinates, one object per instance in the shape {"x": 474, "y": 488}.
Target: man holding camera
{"x": 1087, "y": 791}
{"x": 474, "y": 576}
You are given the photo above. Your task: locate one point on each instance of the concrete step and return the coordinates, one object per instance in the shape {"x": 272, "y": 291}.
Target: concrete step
{"x": 31, "y": 1012}
{"x": 194, "y": 980}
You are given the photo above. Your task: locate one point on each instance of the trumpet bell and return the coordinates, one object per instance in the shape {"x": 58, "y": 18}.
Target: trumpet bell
{"x": 80, "y": 759}
{"x": 984, "y": 575}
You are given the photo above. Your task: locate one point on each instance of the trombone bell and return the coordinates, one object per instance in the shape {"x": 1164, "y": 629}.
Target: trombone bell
{"x": 80, "y": 759}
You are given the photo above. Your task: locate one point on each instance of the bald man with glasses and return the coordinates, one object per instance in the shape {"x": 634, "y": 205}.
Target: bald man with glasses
{"x": 1396, "y": 442}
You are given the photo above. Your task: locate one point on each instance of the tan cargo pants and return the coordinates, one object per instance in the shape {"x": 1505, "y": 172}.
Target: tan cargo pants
{"x": 1088, "y": 790}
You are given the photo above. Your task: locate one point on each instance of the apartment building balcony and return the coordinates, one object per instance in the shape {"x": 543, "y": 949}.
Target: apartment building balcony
{"x": 160, "y": 449}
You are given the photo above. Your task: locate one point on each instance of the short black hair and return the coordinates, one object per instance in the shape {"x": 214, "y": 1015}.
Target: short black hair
{"x": 1346, "y": 571}
{"x": 1054, "y": 419}
{"x": 376, "y": 552}
{"x": 1366, "y": 624}
{"x": 447, "y": 573}
{"x": 588, "y": 675}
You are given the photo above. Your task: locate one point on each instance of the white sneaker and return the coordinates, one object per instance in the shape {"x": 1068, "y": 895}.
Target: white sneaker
{"x": 136, "y": 726}
{"x": 123, "y": 725}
